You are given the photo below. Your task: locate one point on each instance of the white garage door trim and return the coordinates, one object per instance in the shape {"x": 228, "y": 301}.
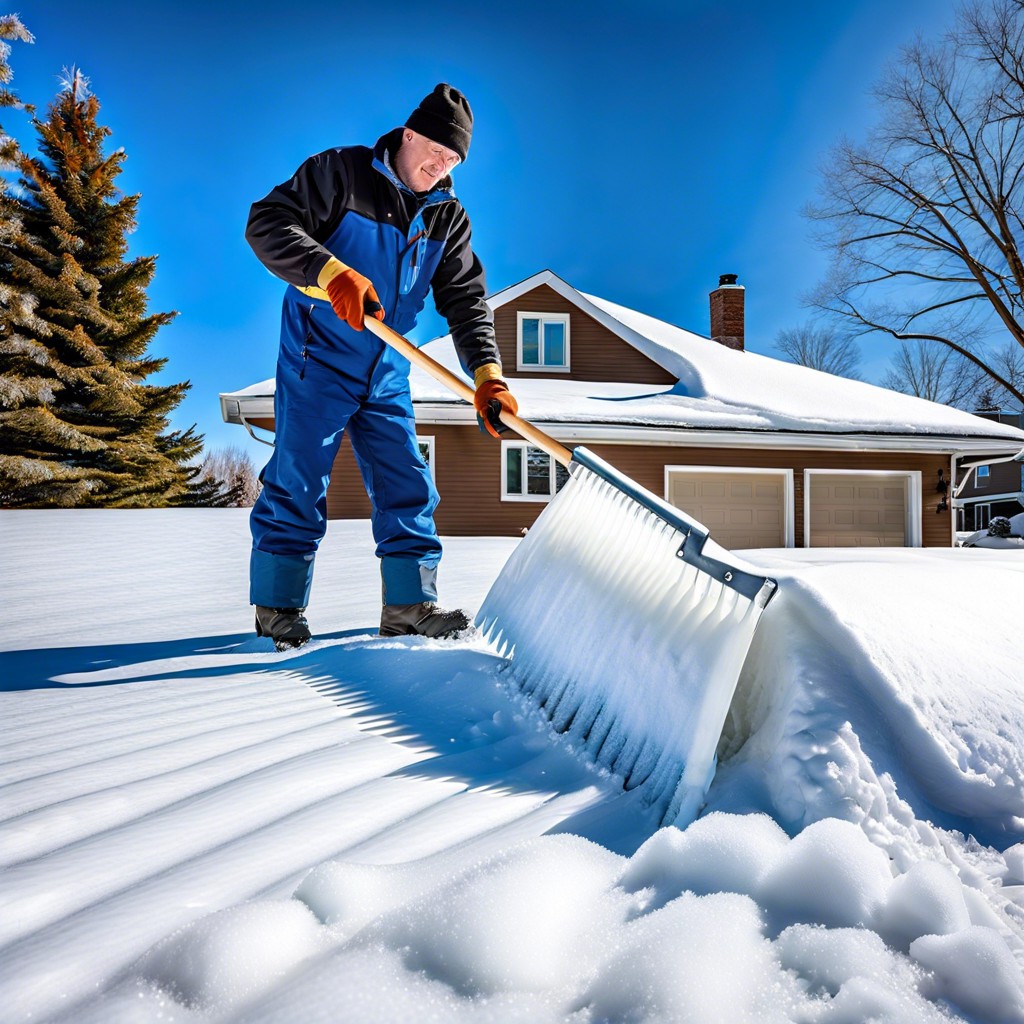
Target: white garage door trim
{"x": 912, "y": 526}
{"x": 789, "y": 512}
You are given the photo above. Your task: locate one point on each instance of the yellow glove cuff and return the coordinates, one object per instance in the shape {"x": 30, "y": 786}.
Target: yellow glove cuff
{"x": 489, "y": 371}
{"x": 330, "y": 270}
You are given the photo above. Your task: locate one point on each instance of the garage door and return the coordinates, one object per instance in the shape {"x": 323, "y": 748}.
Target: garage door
{"x": 858, "y": 511}
{"x": 742, "y": 510}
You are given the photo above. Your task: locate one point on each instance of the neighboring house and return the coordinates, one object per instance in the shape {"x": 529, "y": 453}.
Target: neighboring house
{"x": 989, "y": 489}
{"x": 765, "y": 453}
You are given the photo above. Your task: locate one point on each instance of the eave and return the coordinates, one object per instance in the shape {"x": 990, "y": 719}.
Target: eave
{"x": 452, "y": 414}
{"x": 239, "y": 409}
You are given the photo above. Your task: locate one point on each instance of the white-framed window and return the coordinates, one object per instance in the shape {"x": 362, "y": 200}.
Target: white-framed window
{"x": 542, "y": 341}
{"x": 982, "y": 476}
{"x": 425, "y": 443}
{"x": 982, "y": 516}
{"x": 528, "y": 473}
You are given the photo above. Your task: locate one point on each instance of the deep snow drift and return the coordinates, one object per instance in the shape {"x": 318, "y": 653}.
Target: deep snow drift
{"x": 195, "y": 828}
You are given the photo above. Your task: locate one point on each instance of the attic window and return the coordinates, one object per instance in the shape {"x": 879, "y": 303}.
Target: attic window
{"x": 543, "y": 342}
{"x": 981, "y": 476}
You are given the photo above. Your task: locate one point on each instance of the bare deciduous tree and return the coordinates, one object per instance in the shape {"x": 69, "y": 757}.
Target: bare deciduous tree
{"x": 936, "y": 373}
{"x": 821, "y": 348}
{"x": 1009, "y": 362}
{"x": 235, "y": 471}
{"x": 924, "y": 219}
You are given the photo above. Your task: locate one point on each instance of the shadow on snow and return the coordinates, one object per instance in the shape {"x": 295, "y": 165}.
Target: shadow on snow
{"x": 443, "y": 699}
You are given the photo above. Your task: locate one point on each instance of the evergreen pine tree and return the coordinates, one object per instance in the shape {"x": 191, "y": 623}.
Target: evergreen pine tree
{"x": 85, "y": 428}
{"x": 22, "y": 381}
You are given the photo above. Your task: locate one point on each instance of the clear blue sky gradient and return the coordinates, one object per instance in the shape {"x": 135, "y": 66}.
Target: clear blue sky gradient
{"x": 637, "y": 150}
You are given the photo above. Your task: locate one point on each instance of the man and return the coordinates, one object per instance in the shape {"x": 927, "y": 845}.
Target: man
{"x": 356, "y": 232}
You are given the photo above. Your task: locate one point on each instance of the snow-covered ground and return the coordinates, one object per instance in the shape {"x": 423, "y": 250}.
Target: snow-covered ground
{"x": 195, "y": 828}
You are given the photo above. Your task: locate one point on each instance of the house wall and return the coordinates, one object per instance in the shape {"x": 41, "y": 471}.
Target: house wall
{"x": 595, "y": 353}
{"x": 1003, "y": 478}
{"x": 462, "y": 453}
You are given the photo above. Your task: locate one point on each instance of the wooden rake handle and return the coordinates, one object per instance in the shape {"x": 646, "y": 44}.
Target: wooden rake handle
{"x": 464, "y": 391}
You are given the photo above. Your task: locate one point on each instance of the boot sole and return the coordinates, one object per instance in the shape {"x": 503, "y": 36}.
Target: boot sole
{"x": 291, "y": 645}
{"x": 452, "y": 634}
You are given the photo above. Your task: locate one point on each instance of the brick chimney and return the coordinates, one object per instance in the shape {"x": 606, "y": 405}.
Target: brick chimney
{"x": 727, "y": 312}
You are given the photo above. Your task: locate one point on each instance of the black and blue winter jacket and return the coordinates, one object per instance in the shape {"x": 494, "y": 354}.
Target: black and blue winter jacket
{"x": 349, "y": 203}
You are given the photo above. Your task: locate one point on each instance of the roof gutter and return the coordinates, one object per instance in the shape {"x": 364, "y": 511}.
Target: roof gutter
{"x": 968, "y": 466}
{"x": 240, "y": 408}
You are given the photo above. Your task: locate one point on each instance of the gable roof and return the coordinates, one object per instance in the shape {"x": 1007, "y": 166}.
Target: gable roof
{"x": 604, "y": 313}
{"x": 718, "y": 388}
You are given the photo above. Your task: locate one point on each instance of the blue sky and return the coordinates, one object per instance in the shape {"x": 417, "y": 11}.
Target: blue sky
{"x": 637, "y": 150}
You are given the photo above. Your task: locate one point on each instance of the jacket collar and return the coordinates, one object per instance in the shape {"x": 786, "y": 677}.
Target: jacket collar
{"x": 387, "y": 144}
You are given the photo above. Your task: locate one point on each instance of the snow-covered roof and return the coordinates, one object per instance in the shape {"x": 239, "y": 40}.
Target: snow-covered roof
{"x": 718, "y": 389}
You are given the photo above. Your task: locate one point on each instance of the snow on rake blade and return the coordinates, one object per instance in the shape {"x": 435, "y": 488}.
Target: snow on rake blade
{"x": 631, "y": 651}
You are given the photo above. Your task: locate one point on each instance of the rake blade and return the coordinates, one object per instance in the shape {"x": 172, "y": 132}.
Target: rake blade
{"x": 625, "y": 634}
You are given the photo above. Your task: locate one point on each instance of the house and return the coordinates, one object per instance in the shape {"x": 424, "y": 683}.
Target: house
{"x": 764, "y": 452}
{"x": 987, "y": 489}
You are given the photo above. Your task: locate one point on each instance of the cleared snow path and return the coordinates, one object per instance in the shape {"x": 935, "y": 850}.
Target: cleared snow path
{"x": 196, "y": 828}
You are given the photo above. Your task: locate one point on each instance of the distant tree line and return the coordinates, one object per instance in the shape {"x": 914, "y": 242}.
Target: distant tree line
{"x": 80, "y": 423}
{"x": 916, "y": 368}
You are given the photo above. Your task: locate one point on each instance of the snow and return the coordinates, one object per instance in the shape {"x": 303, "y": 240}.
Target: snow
{"x": 718, "y": 389}
{"x": 783, "y": 396}
{"x": 983, "y": 539}
{"x": 196, "y": 828}
{"x": 735, "y": 391}
{"x": 684, "y": 633}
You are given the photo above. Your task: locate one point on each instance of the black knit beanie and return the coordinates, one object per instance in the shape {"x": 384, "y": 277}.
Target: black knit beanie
{"x": 444, "y": 117}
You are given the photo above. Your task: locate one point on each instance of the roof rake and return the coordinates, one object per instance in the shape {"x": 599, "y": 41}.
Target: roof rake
{"x": 620, "y": 621}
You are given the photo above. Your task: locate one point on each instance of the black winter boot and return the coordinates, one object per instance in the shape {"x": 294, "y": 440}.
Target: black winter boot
{"x": 287, "y": 627}
{"x": 423, "y": 619}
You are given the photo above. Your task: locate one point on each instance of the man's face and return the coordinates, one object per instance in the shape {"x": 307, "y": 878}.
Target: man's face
{"x": 421, "y": 163}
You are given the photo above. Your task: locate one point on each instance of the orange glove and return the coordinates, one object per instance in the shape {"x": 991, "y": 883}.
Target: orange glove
{"x": 353, "y": 297}
{"x": 491, "y": 399}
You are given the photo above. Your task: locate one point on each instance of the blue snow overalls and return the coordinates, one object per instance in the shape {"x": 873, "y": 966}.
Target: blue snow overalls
{"x": 349, "y": 203}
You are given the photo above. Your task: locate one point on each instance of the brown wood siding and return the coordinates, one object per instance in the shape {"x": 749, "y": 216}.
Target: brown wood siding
{"x": 468, "y": 475}
{"x": 467, "y": 471}
{"x": 595, "y": 353}
{"x": 346, "y": 495}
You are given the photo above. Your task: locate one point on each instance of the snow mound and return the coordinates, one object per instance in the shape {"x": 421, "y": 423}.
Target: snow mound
{"x": 927, "y": 900}
{"x": 699, "y": 958}
{"x": 524, "y": 921}
{"x": 557, "y": 928}
{"x": 974, "y": 969}
{"x": 233, "y": 956}
{"x": 984, "y": 539}
{"x": 857, "y": 701}
{"x": 852, "y": 976}
{"x": 830, "y": 874}
{"x": 717, "y": 853}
